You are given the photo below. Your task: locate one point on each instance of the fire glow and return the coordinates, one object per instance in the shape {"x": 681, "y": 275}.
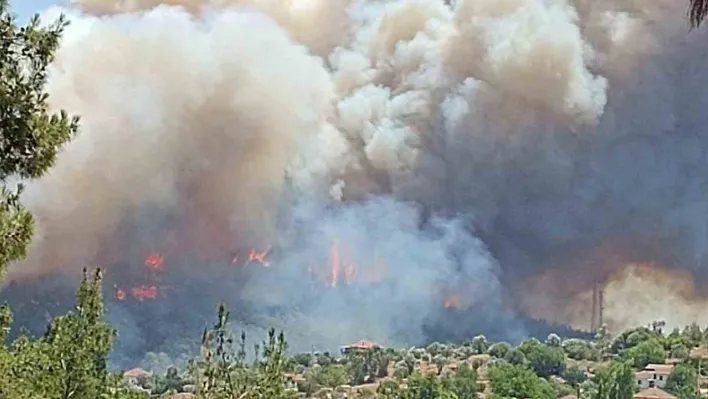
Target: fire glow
{"x": 340, "y": 271}
{"x": 154, "y": 262}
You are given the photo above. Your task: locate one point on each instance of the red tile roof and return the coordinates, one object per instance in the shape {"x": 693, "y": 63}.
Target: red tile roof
{"x": 363, "y": 344}
{"x": 135, "y": 373}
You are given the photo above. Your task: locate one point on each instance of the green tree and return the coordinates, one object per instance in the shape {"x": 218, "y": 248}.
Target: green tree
{"x": 512, "y": 381}
{"x": 463, "y": 383}
{"x": 366, "y": 365}
{"x": 479, "y": 344}
{"x": 575, "y": 378}
{"x": 427, "y": 387}
{"x": 330, "y": 376}
{"x": 544, "y": 360}
{"x": 30, "y": 135}
{"x": 697, "y": 12}
{"x": 682, "y": 382}
{"x": 516, "y": 357}
{"x": 579, "y": 349}
{"x": 646, "y": 352}
{"x": 614, "y": 382}
{"x": 222, "y": 372}
{"x": 693, "y": 334}
{"x": 390, "y": 390}
{"x": 69, "y": 361}
{"x": 553, "y": 340}
{"x": 499, "y": 350}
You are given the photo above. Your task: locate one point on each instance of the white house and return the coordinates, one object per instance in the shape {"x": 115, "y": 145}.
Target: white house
{"x": 653, "y": 376}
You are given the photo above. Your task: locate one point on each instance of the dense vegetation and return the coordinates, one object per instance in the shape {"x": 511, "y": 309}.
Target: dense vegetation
{"x": 70, "y": 359}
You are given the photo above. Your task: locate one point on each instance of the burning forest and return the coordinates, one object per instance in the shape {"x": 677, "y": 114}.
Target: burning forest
{"x": 403, "y": 170}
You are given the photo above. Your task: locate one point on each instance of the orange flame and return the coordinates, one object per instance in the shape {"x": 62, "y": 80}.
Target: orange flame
{"x": 334, "y": 264}
{"x": 453, "y": 301}
{"x": 154, "y": 261}
{"x": 145, "y": 292}
{"x": 258, "y": 257}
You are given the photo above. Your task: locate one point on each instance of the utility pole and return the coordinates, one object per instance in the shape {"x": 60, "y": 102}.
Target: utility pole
{"x": 593, "y": 314}
{"x": 601, "y": 306}
{"x": 598, "y": 307}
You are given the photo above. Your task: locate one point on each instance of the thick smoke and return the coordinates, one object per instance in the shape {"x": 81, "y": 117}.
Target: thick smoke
{"x": 487, "y": 150}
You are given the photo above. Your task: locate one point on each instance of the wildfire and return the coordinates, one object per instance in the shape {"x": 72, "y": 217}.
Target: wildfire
{"x": 337, "y": 268}
{"x": 253, "y": 257}
{"x": 334, "y": 264}
{"x": 154, "y": 261}
{"x": 145, "y": 292}
{"x": 258, "y": 257}
{"x": 453, "y": 301}
{"x": 340, "y": 271}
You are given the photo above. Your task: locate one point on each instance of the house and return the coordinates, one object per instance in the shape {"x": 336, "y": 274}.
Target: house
{"x": 292, "y": 380}
{"x": 653, "y": 393}
{"x": 362, "y": 345}
{"x": 183, "y": 395}
{"x": 134, "y": 375}
{"x": 699, "y": 353}
{"x": 653, "y": 376}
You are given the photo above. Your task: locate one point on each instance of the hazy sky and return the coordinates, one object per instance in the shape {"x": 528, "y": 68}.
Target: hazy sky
{"x": 25, "y": 8}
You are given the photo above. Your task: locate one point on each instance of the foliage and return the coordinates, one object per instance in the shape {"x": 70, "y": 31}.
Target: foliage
{"x": 69, "y": 361}
{"x": 579, "y": 349}
{"x": 544, "y": 360}
{"x": 330, "y": 376}
{"x": 682, "y": 382}
{"x": 647, "y": 352}
{"x": 479, "y": 344}
{"x": 697, "y": 12}
{"x": 515, "y": 356}
{"x": 366, "y": 365}
{"x": 553, "y": 340}
{"x": 631, "y": 338}
{"x": 613, "y": 382}
{"x": 222, "y": 371}
{"x": 463, "y": 383}
{"x": 574, "y": 377}
{"x": 694, "y": 335}
{"x": 31, "y": 135}
{"x": 512, "y": 381}
{"x": 499, "y": 350}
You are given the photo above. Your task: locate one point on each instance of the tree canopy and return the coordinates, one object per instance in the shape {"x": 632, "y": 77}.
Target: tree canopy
{"x": 30, "y": 134}
{"x": 697, "y": 12}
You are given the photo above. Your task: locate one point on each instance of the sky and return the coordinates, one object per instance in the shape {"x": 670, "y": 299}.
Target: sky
{"x": 25, "y": 8}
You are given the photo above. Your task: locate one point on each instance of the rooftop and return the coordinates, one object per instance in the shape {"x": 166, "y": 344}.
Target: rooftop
{"x": 663, "y": 369}
{"x": 653, "y": 393}
{"x": 136, "y": 373}
{"x": 363, "y": 344}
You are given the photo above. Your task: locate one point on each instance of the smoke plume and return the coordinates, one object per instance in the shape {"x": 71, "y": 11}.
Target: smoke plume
{"x": 390, "y": 158}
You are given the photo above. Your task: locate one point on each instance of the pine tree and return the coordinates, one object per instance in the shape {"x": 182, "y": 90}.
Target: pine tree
{"x": 30, "y": 135}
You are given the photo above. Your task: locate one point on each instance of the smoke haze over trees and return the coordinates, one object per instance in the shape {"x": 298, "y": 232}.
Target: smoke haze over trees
{"x": 398, "y": 161}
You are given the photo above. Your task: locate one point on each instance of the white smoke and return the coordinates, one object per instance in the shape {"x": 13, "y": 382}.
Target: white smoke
{"x": 257, "y": 114}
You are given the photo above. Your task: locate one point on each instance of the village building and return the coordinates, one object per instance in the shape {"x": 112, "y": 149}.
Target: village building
{"x": 653, "y": 376}
{"x": 133, "y": 376}
{"x": 653, "y": 393}
{"x": 362, "y": 345}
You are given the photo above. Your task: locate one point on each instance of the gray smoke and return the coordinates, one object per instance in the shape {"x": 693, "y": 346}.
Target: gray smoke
{"x": 505, "y": 153}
